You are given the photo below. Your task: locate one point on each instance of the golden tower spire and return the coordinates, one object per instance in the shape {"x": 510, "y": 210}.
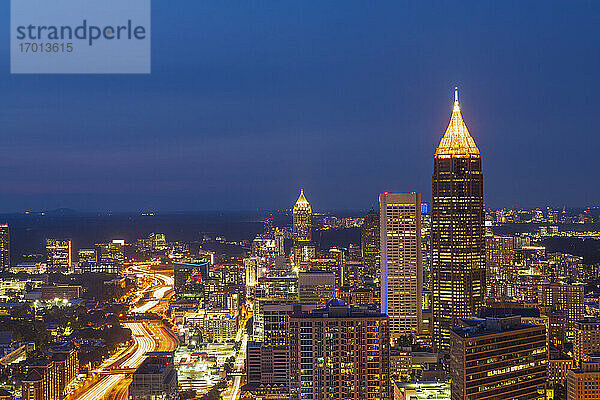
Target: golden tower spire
{"x": 457, "y": 142}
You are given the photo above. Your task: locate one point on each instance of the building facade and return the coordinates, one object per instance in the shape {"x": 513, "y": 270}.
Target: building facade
{"x": 316, "y": 287}
{"x": 370, "y": 245}
{"x": 457, "y": 230}
{"x": 498, "y": 358}
{"x": 339, "y": 353}
{"x": 4, "y": 247}
{"x": 401, "y": 261}
{"x": 59, "y": 254}
{"x": 584, "y": 383}
{"x": 302, "y": 219}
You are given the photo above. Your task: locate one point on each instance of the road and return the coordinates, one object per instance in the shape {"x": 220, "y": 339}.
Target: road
{"x": 112, "y": 377}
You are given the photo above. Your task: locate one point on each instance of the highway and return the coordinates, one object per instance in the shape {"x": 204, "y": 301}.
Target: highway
{"x": 113, "y": 376}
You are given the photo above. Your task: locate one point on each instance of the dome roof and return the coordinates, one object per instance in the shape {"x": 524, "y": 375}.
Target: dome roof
{"x": 335, "y": 302}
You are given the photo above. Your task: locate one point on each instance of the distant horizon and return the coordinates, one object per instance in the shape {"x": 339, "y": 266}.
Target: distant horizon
{"x": 247, "y": 103}
{"x": 151, "y": 212}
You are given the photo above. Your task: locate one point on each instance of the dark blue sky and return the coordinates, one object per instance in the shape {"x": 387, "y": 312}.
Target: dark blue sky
{"x": 249, "y": 101}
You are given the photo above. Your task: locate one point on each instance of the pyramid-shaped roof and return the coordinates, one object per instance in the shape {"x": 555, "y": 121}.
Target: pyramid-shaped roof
{"x": 457, "y": 142}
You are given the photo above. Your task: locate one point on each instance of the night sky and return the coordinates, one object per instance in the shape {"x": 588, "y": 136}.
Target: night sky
{"x": 249, "y": 101}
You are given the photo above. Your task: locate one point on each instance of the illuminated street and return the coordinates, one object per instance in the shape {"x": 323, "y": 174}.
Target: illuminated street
{"x": 147, "y": 336}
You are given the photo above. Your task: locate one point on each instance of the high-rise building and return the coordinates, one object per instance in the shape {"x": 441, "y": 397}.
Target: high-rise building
{"x": 316, "y": 287}
{"x": 189, "y": 278}
{"x": 339, "y": 353}
{"x": 370, "y": 245}
{"x": 58, "y": 253}
{"x": 457, "y": 230}
{"x": 586, "y": 338}
{"x": 304, "y": 250}
{"x": 112, "y": 256}
{"x": 87, "y": 260}
{"x": 498, "y": 358}
{"x": 4, "y": 247}
{"x": 401, "y": 261}
{"x": 302, "y": 219}
{"x": 252, "y": 267}
{"x": 584, "y": 383}
{"x": 563, "y": 304}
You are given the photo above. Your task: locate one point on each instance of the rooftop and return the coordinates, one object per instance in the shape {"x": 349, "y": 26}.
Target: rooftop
{"x": 457, "y": 141}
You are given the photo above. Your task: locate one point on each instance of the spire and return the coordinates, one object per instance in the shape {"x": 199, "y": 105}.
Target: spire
{"x": 302, "y": 202}
{"x": 457, "y": 142}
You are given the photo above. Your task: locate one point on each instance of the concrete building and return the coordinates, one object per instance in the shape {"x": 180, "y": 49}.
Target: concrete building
{"x": 4, "y": 247}
{"x": 59, "y": 254}
{"x": 584, "y": 383}
{"x": 316, "y": 287}
{"x": 155, "y": 378}
{"x": 586, "y": 338}
{"x": 339, "y": 353}
{"x": 498, "y": 358}
{"x": 563, "y": 304}
{"x": 370, "y": 246}
{"x": 401, "y": 261}
{"x": 87, "y": 261}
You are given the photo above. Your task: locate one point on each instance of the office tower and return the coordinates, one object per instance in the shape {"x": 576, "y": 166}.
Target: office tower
{"x": 269, "y": 226}
{"x": 586, "y": 338}
{"x": 252, "y": 267}
{"x": 267, "y": 358}
{"x": 302, "y": 219}
{"x": 339, "y": 261}
{"x": 339, "y": 353}
{"x": 304, "y": 250}
{"x": 279, "y": 242}
{"x": 87, "y": 261}
{"x": 4, "y": 247}
{"x": 58, "y": 253}
{"x": 112, "y": 257}
{"x": 155, "y": 378}
{"x": 401, "y": 261}
{"x": 584, "y": 383}
{"x": 370, "y": 245}
{"x": 189, "y": 278}
{"x": 267, "y": 370}
{"x": 276, "y": 317}
{"x": 563, "y": 304}
{"x": 457, "y": 230}
{"x": 271, "y": 289}
{"x": 316, "y": 287}
{"x": 498, "y": 358}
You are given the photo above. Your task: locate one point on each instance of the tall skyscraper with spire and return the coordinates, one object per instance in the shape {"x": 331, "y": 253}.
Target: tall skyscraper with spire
{"x": 303, "y": 250}
{"x": 302, "y": 219}
{"x": 457, "y": 229}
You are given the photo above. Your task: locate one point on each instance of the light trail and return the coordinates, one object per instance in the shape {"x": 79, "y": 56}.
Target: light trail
{"x": 145, "y": 343}
{"x": 115, "y": 386}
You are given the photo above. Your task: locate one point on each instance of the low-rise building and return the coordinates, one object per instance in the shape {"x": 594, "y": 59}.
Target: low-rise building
{"x": 155, "y": 378}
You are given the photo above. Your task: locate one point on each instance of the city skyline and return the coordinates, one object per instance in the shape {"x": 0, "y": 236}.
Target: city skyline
{"x": 301, "y": 98}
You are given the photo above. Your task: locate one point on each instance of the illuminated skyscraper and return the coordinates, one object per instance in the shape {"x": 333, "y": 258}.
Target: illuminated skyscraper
{"x": 499, "y": 357}
{"x": 88, "y": 260}
{"x": 370, "y": 244}
{"x": 339, "y": 353}
{"x": 304, "y": 250}
{"x": 58, "y": 253}
{"x": 4, "y": 247}
{"x": 302, "y": 220}
{"x": 457, "y": 230}
{"x": 401, "y": 261}
{"x": 112, "y": 256}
